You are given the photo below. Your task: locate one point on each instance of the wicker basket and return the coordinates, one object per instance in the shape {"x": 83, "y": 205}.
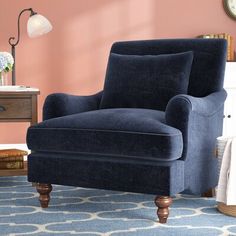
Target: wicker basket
{"x": 227, "y": 210}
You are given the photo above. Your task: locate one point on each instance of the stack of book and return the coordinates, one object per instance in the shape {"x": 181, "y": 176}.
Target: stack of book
{"x": 12, "y": 159}
{"x": 230, "y": 41}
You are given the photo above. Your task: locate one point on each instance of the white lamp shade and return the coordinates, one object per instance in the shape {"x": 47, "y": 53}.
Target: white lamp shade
{"x": 38, "y": 25}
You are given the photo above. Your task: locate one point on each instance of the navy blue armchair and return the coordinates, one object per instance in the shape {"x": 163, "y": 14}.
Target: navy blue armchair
{"x": 151, "y": 130}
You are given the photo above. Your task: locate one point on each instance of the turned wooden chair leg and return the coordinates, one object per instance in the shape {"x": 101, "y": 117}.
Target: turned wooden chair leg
{"x": 163, "y": 203}
{"x": 210, "y": 193}
{"x": 44, "y": 194}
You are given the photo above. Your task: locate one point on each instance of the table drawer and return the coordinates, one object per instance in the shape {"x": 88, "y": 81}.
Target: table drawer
{"x": 13, "y": 108}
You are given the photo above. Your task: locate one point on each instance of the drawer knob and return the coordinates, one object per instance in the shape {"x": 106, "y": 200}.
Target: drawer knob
{"x": 2, "y": 109}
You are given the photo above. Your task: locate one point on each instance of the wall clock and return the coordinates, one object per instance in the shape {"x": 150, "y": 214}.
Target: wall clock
{"x": 230, "y": 8}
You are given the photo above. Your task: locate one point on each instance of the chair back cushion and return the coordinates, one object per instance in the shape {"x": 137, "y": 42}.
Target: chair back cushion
{"x": 145, "y": 81}
{"x": 207, "y": 73}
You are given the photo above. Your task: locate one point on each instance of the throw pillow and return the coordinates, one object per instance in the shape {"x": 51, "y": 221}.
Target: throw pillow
{"x": 148, "y": 81}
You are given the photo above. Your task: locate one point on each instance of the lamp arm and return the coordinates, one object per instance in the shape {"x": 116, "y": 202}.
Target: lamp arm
{"x": 18, "y": 27}
{"x": 11, "y": 39}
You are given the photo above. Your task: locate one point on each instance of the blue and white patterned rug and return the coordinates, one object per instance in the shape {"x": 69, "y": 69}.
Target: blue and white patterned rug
{"x": 92, "y": 212}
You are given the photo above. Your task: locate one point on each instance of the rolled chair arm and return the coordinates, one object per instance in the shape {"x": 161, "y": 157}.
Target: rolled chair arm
{"x": 192, "y": 114}
{"x": 61, "y": 104}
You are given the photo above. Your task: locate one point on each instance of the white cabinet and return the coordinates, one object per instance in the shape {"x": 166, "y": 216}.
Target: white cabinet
{"x": 230, "y": 114}
{"x": 229, "y": 128}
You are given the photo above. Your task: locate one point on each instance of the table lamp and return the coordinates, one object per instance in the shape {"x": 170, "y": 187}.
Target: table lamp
{"x": 37, "y": 25}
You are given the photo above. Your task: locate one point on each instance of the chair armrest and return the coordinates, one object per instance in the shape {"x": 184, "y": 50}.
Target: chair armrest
{"x": 61, "y": 104}
{"x": 205, "y": 106}
{"x": 195, "y": 116}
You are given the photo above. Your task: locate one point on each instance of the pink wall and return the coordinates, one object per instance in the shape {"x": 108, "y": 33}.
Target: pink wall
{"x": 73, "y": 57}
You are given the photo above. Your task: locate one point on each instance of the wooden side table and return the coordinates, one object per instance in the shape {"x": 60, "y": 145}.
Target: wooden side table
{"x": 18, "y": 105}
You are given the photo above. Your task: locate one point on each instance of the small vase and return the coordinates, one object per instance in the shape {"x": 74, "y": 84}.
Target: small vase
{"x": 3, "y": 79}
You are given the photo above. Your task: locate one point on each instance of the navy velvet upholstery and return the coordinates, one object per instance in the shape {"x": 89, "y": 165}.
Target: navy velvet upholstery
{"x": 125, "y": 132}
{"x": 197, "y": 119}
{"x": 207, "y": 73}
{"x": 147, "y": 81}
{"x": 134, "y": 149}
{"x": 162, "y": 178}
{"x": 61, "y": 104}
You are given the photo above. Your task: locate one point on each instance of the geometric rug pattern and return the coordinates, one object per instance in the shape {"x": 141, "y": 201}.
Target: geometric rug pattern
{"x": 93, "y": 212}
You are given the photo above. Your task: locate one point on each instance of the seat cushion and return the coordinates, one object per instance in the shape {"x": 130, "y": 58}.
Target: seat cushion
{"x": 139, "y": 133}
{"x": 147, "y": 81}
